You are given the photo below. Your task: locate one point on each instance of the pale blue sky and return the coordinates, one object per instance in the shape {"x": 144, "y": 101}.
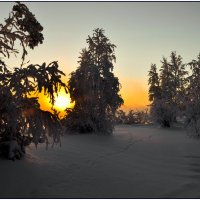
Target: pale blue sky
{"x": 143, "y": 32}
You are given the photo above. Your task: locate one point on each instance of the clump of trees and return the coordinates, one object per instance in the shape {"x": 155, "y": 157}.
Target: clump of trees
{"x": 94, "y": 88}
{"x": 21, "y": 119}
{"x": 167, "y": 90}
{"x": 174, "y": 92}
{"x": 192, "y": 105}
{"x": 132, "y": 117}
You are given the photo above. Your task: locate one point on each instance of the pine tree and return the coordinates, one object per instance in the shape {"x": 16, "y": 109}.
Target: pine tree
{"x": 160, "y": 94}
{"x": 167, "y": 91}
{"x": 179, "y": 81}
{"x": 94, "y": 88}
{"x": 154, "y": 88}
{"x": 192, "y": 102}
{"x": 166, "y": 81}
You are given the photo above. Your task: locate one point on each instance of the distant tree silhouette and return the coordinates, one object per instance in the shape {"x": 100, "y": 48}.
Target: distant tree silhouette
{"x": 94, "y": 88}
{"x": 21, "y": 119}
{"x": 120, "y": 117}
{"x": 132, "y": 117}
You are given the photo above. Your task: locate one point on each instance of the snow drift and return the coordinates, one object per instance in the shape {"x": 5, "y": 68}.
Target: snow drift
{"x": 134, "y": 162}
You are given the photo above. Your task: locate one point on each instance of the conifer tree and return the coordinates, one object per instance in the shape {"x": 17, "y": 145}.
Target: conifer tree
{"x": 160, "y": 94}
{"x": 179, "y": 81}
{"x": 169, "y": 88}
{"x": 192, "y": 102}
{"x": 94, "y": 88}
{"x": 154, "y": 88}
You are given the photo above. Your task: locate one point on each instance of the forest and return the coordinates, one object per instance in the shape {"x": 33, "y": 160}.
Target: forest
{"x": 173, "y": 90}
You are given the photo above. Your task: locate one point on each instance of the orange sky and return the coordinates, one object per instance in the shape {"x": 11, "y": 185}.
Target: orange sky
{"x": 62, "y": 101}
{"x": 134, "y": 93}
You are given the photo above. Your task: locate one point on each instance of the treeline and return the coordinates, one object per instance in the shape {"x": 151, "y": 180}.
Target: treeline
{"x": 174, "y": 91}
{"x": 132, "y": 117}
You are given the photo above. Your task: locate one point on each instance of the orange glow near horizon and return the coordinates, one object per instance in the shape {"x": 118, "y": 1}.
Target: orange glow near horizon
{"x": 62, "y": 101}
{"x": 134, "y": 93}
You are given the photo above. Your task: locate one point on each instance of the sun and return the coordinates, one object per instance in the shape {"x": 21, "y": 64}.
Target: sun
{"x": 62, "y": 101}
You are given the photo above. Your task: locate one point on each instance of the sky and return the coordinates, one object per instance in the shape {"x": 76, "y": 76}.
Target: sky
{"x": 143, "y": 32}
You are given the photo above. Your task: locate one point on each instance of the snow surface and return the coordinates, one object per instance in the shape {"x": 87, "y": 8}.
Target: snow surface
{"x": 135, "y": 162}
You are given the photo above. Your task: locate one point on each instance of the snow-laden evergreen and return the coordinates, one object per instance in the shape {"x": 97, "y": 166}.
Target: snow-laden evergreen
{"x": 21, "y": 119}
{"x": 192, "y": 103}
{"x": 167, "y": 90}
{"x": 94, "y": 88}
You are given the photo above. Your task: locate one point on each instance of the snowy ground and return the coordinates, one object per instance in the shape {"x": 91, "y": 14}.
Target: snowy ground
{"x": 136, "y": 162}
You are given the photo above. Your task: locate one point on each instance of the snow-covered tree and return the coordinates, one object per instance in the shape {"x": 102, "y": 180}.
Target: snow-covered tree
{"x": 167, "y": 91}
{"x": 21, "y": 119}
{"x": 94, "y": 88}
{"x": 162, "y": 112}
{"x": 166, "y": 80}
{"x": 192, "y": 102}
{"x": 179, "y": 81}
{"x": 160, "y": 94}
{"x": 154, "y": 84}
